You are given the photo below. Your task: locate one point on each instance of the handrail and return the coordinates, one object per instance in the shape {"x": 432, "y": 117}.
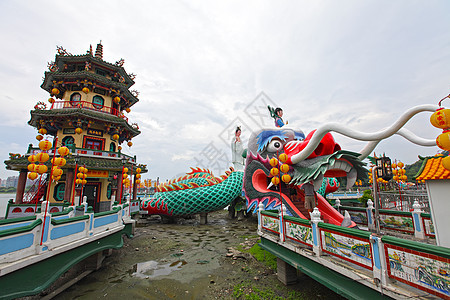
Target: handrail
{"x": 61, "y": 213}
{"x": 109, "y": 212}
{"x": 21, "y": 229}
{"x": 69, "y": 220}
{"x": 88, "y": 105}
{"x": 89, "y": 152}
{"x": 17, "y": 220}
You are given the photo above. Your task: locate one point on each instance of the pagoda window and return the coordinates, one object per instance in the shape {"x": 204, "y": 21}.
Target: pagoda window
{"x": 68, "y": 141}
{"x": 98, "y": 102}
{"x": 93, "y": 143}
{"x": 100, "y": 72}
{"x": 58, "y": 193}
{"x": 75, "y": 99}
{"x": 112, "y": 147}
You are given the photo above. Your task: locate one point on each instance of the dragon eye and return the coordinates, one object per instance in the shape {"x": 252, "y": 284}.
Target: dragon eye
{"x": 274, "y": 146}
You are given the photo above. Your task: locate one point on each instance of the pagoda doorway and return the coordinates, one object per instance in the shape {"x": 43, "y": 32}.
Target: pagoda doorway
{"x": 92, "y": 192}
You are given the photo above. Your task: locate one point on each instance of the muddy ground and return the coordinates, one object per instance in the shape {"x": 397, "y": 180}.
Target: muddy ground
{"x": 187, "y": 260}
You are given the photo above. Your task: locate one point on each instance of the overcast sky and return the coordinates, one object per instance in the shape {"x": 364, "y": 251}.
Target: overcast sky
{"x": 204, "y": 67}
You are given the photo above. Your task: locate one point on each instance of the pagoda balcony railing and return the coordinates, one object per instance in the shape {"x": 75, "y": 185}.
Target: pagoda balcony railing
{"x": 84, "y": 152}
{"x": 88, "y": 105}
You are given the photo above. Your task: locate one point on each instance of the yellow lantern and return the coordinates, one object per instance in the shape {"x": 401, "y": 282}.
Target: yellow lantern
{"x": 80, "y": 169}
{"x": 395, "y": 178}
{"x": 51, "y": 100}
{"x": 394, "y": 166}
{"x": 275, "y": 180}
{"x": 57, "y": 171}
{"x": 274, "y": 171}
{"x": 32, "y": 158}
{"x": 394, "y": 171}
{"x": 32, "y": 175}
{"x": 404, "y": 177}
{"x": 45, "y": 145}
{"x": 78, "y": 130}
{"x": 42, "y": 157}
{"x": 85, "y": 90}
{"x": 443, "y": 140}
{"x": 130, "y": 144}
{"x": 138, "y": 170}
{"x": 273, "y": 162}
{"x": 63, "y": 151}
{"x": 138, "y": 175}
{"x": 127, "y": 109}
{"x": 138, "y": 181}
{"x": 125, "y": 175}
{"x": 446, "y": 162}
{"x": 85, "y": 170}
{"x": 84, "y": 181}
{"x": 58, "y": 161}
{"x": 117, "y": 99}
{"x": 115, "y": 137}
{"x": 31, "y": 167}
{"x": 284, "y": 168}
{"x": 400, "y": 165}
{"x": 80, "y": 175}
{"x": 41, "y": 169}
{"x": 55, "y": 91}
{"x": 39, "y": 137}
{"x": 283, "y": 157}
{"x": 78, "y": 181}
{"x": 286, "y": 178}
{"x": 42, "y": 131}
{"x": 441, "y": 118}
{"x": 125, "y": 170}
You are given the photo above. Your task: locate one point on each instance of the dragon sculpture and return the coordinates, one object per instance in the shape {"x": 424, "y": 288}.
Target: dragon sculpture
{"x": 315, "y": 158}
{"x": 198, "y": 191}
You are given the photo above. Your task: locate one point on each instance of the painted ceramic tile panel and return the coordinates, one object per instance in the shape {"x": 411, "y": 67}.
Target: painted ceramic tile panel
{"x": 425, "y": 272}
{"x": 429, "y": 227}
{"x": 347, "y": 247}
{"x": 271, "y": 223}
{"x": 358, "y": 217}
{"x": 397, "y": 222}
{"x": 299, "y": 232}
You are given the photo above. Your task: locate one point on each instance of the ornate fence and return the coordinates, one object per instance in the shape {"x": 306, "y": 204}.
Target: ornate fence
{"x": 422, "y": 266}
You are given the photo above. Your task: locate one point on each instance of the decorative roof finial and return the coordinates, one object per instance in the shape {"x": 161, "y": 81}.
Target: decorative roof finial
{"x": 99, "y": 50}
{"x": 90, "y": 50}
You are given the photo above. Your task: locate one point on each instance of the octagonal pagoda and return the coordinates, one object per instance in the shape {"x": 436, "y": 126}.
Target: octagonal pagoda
{"x": 89, "y": 100}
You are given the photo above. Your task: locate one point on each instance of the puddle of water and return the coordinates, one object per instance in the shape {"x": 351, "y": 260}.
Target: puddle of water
{"x": 152, "y": 269}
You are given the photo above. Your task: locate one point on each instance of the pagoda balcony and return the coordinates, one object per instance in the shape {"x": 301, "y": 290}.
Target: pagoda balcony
{"x": 88, "y": 105}
{"x": 84, "y": 152}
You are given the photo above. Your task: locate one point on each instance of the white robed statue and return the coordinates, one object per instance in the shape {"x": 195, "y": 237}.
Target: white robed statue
{"x": 237, "y": 150}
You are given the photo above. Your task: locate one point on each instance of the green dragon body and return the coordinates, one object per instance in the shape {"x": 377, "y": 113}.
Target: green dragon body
{"x": 198, "y": 191}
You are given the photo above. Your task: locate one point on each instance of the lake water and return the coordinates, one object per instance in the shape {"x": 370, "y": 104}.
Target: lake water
{"x": 3, "y": 202}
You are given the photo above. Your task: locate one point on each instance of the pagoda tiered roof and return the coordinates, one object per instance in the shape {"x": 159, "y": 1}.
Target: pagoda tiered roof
{"x": 432, "y": 169}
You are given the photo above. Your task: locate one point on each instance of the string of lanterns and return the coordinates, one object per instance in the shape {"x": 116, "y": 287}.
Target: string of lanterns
{"x": 125, "y": 179}
{"x": 399, "y": 172}
{"x": 81, "y": 176}
{"x": 284, "y": 168}
{"x": 441, "y": 119}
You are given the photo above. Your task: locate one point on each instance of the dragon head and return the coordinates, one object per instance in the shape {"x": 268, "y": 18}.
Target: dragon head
{"x": 326, "y": 161}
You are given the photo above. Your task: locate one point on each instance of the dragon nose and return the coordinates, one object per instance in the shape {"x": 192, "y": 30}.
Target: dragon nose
{"x": 326, "y": 146}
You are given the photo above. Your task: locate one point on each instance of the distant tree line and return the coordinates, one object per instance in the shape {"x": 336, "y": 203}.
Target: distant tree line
{"x": 7, "y": 190}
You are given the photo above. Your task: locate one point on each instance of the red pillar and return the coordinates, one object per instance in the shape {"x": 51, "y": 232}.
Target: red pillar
{"x": 21, "y": 186}
{"x": 69, "y": 185}
{"x": 119, "y": 187}
{"x": 134, "y": 188}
